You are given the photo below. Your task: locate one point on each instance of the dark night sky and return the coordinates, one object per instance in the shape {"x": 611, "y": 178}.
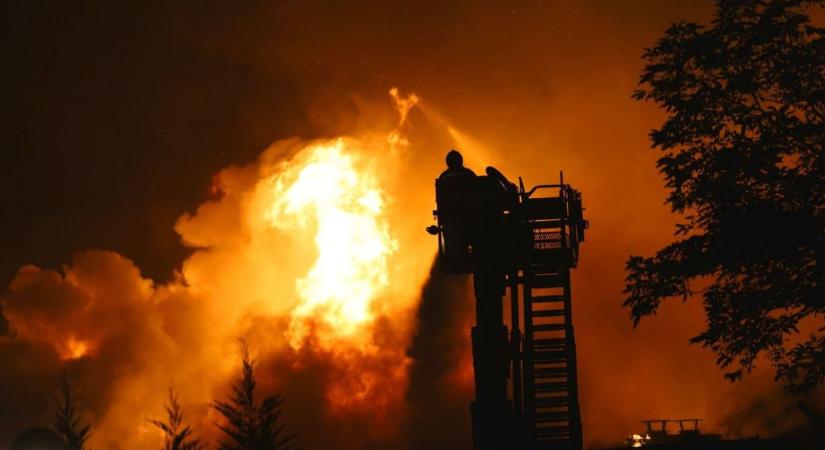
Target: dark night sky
{"x": 116, "y": 117}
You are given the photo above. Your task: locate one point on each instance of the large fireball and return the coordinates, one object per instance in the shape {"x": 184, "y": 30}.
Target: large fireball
{"x": 325, "y": 192}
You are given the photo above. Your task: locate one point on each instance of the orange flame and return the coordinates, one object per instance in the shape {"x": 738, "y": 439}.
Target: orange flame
{"x": 352, "y": 239}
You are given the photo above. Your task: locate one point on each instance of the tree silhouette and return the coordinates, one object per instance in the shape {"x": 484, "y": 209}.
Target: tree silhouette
{"x": 4, "y": 324}
{"x": 251, "y": 426}
{"x": 176, "y": 435}
{"x": 65, "y": 420}
{"x": 744, "y": 161}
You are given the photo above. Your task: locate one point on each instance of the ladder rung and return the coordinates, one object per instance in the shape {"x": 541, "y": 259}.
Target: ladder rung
{"x": 552, "y": 416}
{"x": 550, "y": 430}
{"x": 549, "y": 261}
{"x": 553, "y": 280}
{"x": 549, "y": 327}
{"x": 553, "y": 223}
{"x": 548, "y": 313}
{"x": 554, "y": 441}
{"x": 551, "y": 402}
{"x": 553, "y": 444}
{"x": 550, "y": 356}
{"x": 548, "y": 298}
{"x": 551, "y": 387}
{"x": 550, "y": 343}
{"x": 553, "y": 431}
{"x": 550, "y": 372}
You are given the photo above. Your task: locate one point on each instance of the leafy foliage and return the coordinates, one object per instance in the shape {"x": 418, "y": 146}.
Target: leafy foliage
{"x": 176, "y": 435}
{"x": 744, "y": 161}
{"x": 65, "y": 420}
{"x": 251, "y": 426}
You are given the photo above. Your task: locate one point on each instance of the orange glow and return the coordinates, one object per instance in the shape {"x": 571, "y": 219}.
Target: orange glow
{"x": 217, "y": 105}
{"x": 74, "y": 349}
{"x": 315, "y": 253}
{"x": 309, "y": 253}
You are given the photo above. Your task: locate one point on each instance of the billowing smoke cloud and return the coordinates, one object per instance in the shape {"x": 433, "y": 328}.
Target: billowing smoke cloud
{"x": 308, "y": 254}
{"x": 115, "y": 334}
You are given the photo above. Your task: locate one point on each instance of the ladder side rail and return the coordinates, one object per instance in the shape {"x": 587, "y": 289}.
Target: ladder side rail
{"x": 575, "y": 410}
{"x": 515, "y": 346}
{"x": 529, "y": 362}
{"x": 570, "y": 229}
{"x": 572, "y": 205}
{"x": 572, "y": 225}
{"x": 572, "y": 379}
{"x": 564, "y": 223}
{"x": 526, "y": 242}
{"x": 516, "y": 341}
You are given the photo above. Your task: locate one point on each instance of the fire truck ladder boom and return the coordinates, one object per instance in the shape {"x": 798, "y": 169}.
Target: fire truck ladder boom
{"x": 528, "y": 241}
{"x": 550, "y": 417}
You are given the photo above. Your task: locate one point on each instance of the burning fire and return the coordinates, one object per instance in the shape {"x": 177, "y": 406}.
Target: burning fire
{"x": 352, "y": 237}
{"x": 298, "y": 252}
{"x": 332, "y": 197}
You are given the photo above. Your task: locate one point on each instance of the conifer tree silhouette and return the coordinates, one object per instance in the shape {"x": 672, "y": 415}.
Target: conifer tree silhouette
{"x": 65, "y": 420}
{"x": 4, "y": 323}
{"x": 252, "y": 426}
{"x": 177, "y": 436}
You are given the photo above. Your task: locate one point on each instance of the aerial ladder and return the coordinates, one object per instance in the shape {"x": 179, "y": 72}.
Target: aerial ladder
{"x": 520, "y": 246}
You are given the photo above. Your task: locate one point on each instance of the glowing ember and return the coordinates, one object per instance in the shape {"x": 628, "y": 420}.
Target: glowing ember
{"x": 637, "y": 440}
